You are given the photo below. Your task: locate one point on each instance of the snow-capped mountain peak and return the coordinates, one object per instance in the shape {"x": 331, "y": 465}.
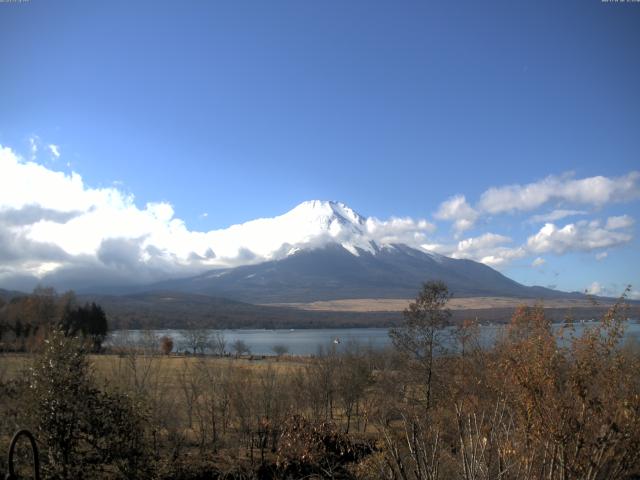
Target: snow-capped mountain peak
{"x": 326, "y": 213}
{"x": 309, "y": 225}
{"x": 321, "y": 222}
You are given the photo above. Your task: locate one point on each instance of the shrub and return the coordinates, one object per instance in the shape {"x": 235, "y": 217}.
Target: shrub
{"x": 308, "y": 449}
{"x": 82, "y": 428}
{"x": 166, "y": 345}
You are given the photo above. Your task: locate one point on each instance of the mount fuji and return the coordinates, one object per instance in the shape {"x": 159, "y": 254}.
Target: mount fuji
{"x": 326, "y": 251}
{"x": 308, "y": 226}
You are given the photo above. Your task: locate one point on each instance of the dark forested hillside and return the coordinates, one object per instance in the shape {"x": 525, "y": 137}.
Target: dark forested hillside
{"x": 179, "y": 310}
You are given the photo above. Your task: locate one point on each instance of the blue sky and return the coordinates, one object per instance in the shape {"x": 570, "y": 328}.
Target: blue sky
{"x": 243, "y": 110}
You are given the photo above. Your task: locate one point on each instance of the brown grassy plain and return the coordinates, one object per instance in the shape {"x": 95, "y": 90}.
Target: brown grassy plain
{"x": 399, "y": 304}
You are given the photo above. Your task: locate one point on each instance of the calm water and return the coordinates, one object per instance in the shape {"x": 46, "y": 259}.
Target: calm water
{"x": 309, "y": 341}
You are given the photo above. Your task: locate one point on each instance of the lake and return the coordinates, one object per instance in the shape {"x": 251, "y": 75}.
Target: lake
{"x": 309, "y": 341}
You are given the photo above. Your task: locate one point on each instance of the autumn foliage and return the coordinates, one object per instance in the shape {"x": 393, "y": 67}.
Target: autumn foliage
{"x": 542, "y": 402}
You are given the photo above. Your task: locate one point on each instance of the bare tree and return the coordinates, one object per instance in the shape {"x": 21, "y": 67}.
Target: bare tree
{"x": 321, "y": 386}
{"x": 418, "y": 336}
{"x": 280, "y": 349}
{"x": 147, "y": 342}
{"x": 240, "y": 347}
{"x": 353, "y": 376}
{"x": 197, "y": 340}
{"x": 218, "y": 343}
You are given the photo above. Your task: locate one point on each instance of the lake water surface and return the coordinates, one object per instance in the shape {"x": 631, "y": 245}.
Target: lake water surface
{"x": 309, "y": 341}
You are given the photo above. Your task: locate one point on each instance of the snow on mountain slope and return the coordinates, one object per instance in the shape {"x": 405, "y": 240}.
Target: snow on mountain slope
{"x": 332, "y": 272}
{"x": 325, "y": 250}
{"x": 311, "y": 224}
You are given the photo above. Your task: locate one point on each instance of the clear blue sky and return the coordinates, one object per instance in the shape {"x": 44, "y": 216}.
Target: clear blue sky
{"x": 245, "y": 109}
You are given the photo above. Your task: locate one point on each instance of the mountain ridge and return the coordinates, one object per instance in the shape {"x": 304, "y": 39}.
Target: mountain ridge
{"x": 333, "y": 272}
{"x": 324, "y": 250}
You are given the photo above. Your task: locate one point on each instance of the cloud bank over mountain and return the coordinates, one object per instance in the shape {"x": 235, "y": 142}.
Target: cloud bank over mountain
{"x": 52, "y": 224}
{"x": 56, "y": 228}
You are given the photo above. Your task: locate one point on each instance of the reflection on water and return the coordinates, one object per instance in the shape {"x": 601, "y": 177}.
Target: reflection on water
{"x": 309, "y": 341}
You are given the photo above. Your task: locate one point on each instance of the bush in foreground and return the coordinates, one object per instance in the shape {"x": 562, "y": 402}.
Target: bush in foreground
{"x": 85, "y": 432}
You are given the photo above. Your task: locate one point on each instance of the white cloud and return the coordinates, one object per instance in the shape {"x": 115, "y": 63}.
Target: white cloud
{"x": 617, "y": 223}
{"x": 457, "y": 209}
{"x": 581, "y": 236}
{"x": 560, "y": 191}
{"x": 601, "y": 255}
{"x": 594, "y": 289}
{"x": 488, "y": 248}
{"x": 492, "y": 248}
{"x": 503, "y": 256}
{"x": 441, "y": 248}
{"x": 55, "y": 150}
{"x": 483, "y": 242}
{"x": 34, "y": 141}
{"x": 594, "y": 191}
{"x": 555, "y": 215}
{"x": 613, "y": 290}
{"x": 28, "y": 183}
{"x": 398, "y": 230}
{"x": 52, "y": 223}
{"x": 538, "y": 262}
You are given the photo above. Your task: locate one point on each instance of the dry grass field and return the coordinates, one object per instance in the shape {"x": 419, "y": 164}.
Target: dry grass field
{"x": 197, "y": 416}
{"x": 106, "y": 367}
{"x": 399, "y": 304}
